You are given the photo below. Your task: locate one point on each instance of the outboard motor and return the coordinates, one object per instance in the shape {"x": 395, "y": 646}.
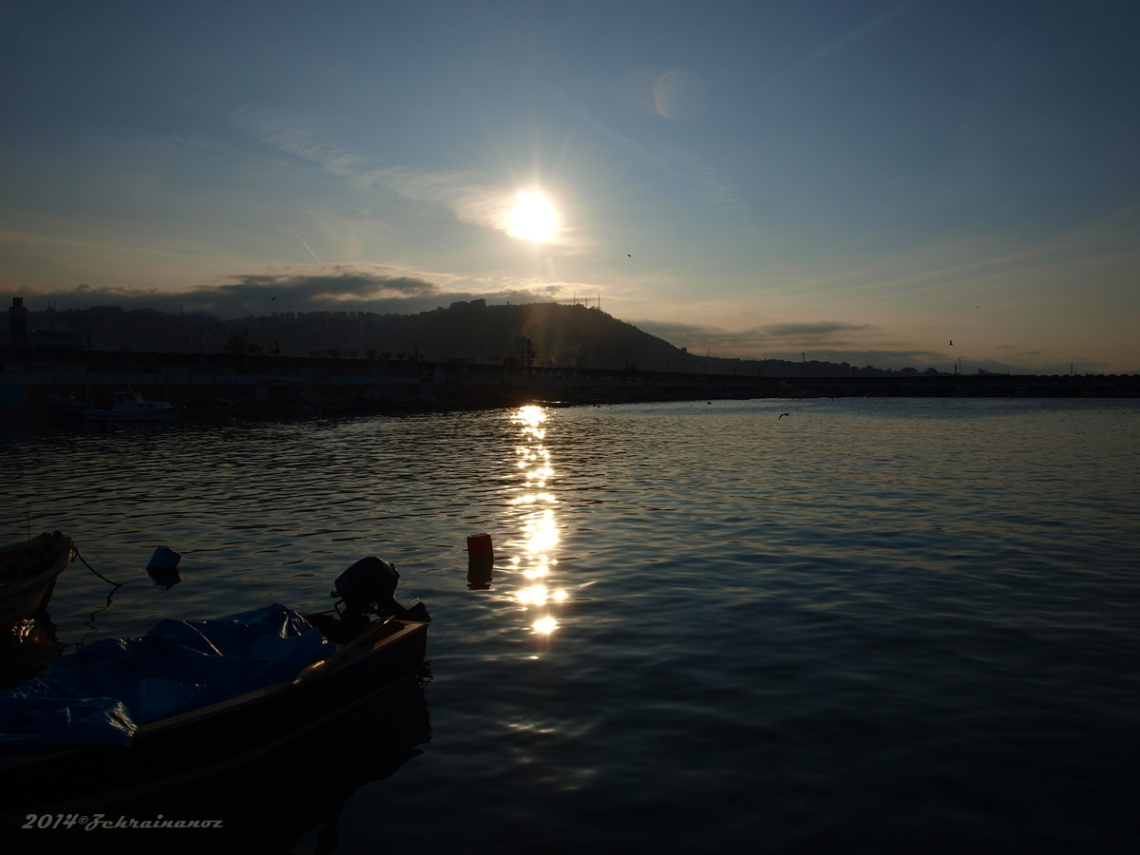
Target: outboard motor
{"x": 368, "y": 587}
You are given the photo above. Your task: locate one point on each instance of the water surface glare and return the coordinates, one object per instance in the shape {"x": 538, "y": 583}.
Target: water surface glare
{"x": 871, "y": 625}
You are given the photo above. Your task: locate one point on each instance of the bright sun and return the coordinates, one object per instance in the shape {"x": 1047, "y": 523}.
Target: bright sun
{"x": 533, "y": 218}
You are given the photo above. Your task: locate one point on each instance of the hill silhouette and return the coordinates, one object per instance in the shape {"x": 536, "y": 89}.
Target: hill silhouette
{"x": 468, "y": 354}
{"x": 546, "y": 335}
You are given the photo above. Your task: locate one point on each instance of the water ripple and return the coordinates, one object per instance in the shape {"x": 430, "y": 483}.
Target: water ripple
{"x": 871, "y": 625}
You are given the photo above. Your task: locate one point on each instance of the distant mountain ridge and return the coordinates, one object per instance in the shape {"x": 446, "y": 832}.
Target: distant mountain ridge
{"x": 548, "y": 335}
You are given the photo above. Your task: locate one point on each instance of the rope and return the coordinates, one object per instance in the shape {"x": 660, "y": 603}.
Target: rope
{"x": 75, "y": 549}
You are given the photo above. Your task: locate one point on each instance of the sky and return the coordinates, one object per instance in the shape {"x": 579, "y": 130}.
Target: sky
{"x": 931, "y": 183}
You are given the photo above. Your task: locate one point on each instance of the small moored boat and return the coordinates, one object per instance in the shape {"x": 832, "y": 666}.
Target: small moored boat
{"x": 123, "y": 717}
{"x": 132, "y": 407}
{"x": 28, "y": 572}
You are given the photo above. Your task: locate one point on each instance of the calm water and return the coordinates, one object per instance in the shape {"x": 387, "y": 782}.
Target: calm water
{"x": 871, "y": 625}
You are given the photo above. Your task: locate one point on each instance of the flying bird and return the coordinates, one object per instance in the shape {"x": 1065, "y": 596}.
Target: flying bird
{"x": 951, "y": 342}
{"x": 782, "y": 415}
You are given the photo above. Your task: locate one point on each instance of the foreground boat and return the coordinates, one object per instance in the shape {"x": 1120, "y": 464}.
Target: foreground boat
{"x": 27, "y": 648}
{"x": 191, "y": 699}
{"x": 291, "y": 800}
{"x": 132, "y": 407}
{"x": 28, "y": 572}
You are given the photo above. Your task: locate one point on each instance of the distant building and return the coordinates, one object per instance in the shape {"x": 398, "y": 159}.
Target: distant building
{"x": 56, "y": 339}
{"x": 18, "y": 323}
{"x": 20, "y": 337}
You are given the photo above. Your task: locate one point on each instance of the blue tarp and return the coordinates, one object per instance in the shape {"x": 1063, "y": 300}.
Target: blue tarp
{"x": 102, "y": 692}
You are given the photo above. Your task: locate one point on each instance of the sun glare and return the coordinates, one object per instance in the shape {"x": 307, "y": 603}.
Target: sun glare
{"x": 533, "y": 218}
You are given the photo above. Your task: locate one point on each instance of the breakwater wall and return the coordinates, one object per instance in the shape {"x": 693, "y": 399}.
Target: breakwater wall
{"x": 32, "y": 385}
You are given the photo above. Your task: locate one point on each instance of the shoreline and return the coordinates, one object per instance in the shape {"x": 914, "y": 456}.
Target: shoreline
{"x": 37, "y": 385}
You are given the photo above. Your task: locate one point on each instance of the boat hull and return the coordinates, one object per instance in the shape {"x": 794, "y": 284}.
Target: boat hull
{"x": 132, "y": 407}
{"x": 28, "y": 572}
{"x": 203, "y": 742}
{"x": 160, "y": 414}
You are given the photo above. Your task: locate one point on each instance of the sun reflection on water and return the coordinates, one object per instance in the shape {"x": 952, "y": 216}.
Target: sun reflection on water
{"x": 536, "y": 559}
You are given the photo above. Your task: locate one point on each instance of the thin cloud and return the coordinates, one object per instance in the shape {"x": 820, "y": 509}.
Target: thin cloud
{"x": 308, "y": 248}
{"x": 755, "y": 339}
{"x": 471, "y": 199}
{"x": 855, "y": 35}
{"x": 359, "y": 288}
{"x": 814, "y": 330}
{"x": 680, "y": 164}
{"x": 334, "y": 284}
{"x": 988, "y": 264}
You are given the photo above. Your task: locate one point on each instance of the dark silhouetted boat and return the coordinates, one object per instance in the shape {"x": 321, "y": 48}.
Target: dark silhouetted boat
{"x": 191, "y": 700}
{"x": 132, "y": 407}
{"x": 28, "y": 572}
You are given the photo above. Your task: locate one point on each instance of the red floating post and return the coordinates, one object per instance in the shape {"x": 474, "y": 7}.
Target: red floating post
{"x": 479, "y": 546}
